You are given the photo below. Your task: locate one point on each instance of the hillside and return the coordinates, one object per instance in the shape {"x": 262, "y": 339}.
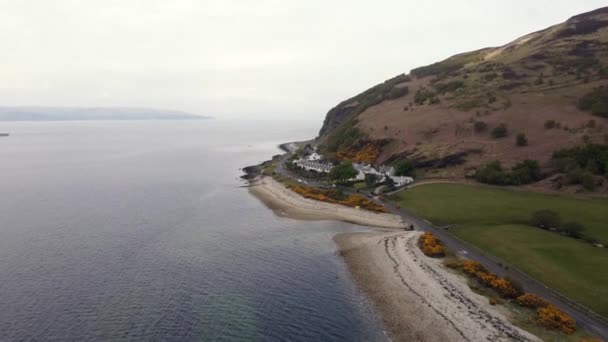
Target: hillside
{"x": 547, "y": 85}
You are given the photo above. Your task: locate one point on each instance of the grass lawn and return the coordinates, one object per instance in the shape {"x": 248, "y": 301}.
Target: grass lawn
{"x": 360, "y": 186}
{"x": 465, "y": 204}
{"x": 574, "y": 268}
{"x": 495, "y": 220}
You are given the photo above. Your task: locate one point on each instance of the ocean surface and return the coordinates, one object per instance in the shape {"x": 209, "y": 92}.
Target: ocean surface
{"x": 130, "y": 231}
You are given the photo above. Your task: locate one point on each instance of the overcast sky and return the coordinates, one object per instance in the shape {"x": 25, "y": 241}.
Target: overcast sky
{"x": 248, "y": 58}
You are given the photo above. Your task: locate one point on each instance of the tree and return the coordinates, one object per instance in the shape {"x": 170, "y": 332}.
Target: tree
{"x": 573, "y": 229}
{"x": 371, "y": 179}
{"x": 342, "y": 172}
{"x": 492, "y": 173}
{"x": 404, "y": 168}
{"x": 526, "y": 172}
{"x": 596, "y": 102}
{"x": 545, "y": 219}
{"x": 591, "y": 157}
{"x": 588, "y": 181}
{"x": 390, "y": 184}
{"x": 521, "y": 140}
{"x": 500, "y": 131}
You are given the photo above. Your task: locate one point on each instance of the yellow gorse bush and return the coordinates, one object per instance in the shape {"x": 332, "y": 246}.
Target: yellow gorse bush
{"x": 333, "y": 196}
{"x": 431, "y": 245}
{"x": 367, "y": 154}
{"x": 489, "y": 279}
{"x": 553, "y": 318}
{"x": 547, "y": 315}
{"x": 531, "y": 300}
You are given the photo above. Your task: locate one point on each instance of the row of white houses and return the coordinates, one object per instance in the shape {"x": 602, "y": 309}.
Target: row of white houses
{"x": 314, "y": 162}
{"x": 381, "y": 173}
{"x": 314, "y": 165}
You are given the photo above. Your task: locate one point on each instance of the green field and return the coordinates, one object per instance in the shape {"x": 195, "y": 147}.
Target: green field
{"x": 496, "y": 220}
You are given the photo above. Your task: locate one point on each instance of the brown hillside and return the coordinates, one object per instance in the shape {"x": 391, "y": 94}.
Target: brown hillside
{"x": 534, "y": 79}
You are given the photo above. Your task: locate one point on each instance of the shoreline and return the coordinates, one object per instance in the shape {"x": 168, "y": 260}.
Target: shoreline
{"x": 416, "y": 297}
{"x": 287, "y": 203}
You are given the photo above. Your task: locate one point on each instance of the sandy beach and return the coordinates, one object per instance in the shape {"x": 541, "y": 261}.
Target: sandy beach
{"x": 418, "y": 298}
{"x": 287, "y": 203}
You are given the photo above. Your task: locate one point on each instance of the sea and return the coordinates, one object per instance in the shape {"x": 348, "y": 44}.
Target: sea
{"x": 144, "y": 231}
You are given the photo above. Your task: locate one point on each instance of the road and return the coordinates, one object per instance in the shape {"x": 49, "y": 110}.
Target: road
{"x": 586, "y": 319}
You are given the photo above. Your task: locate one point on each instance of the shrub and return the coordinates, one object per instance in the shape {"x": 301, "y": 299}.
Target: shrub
{"x": 470, "y": 104}
{"x": 451, "y": 86}
{"x": 586, "y": 139}
{"x": 575, "y": 175}
{"x": 531, "y": 300}
{"x": 453, "y": 263}
{"x": 521, "y": 140}
{"x": 501, "y": 285}
{"x": 361, "y": 151}
{"x": 397, "y": 92}
{"x": 480, "y": 126}
{"x": 588, "y": 181}
{"x": 491, "y": 173}
{"x": 500, "y": 131}
{"x": 404, "y": 168}
{"x": 545, "y": 219}
{"x": 573, "y": 229}
{"x": 342, "y": 172}
{"x": 489, "y": 77}
{"x": 596, "y": 102}
{"x": 472, "y": 267}
{"x": 591, "y": 157}
{"x": 337, "y": 197}
{"x": 343, "y": 137}
{"x": 431, "y": 246}
{"x": 553, "y": 318}
{"x": 550, "y": 124}
{"x": 526, "y": 172}
{"x": 504, "y": 288}
{"x": 371, "y": 179}
{"x": 422, "y": 95}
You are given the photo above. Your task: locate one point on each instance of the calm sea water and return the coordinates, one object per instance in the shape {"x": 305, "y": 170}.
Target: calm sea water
{"x": 141, "y": 231}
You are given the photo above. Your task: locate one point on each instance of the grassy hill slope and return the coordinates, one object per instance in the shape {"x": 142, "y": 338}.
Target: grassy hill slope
{"x": 546, "y": 86}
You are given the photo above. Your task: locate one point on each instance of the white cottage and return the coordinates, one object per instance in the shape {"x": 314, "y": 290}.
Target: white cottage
{"x": 314, "y": 157}
{"x": 401, "y": 181}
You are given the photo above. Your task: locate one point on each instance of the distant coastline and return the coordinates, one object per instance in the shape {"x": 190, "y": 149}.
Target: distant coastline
{"x": 27, "y": 113}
